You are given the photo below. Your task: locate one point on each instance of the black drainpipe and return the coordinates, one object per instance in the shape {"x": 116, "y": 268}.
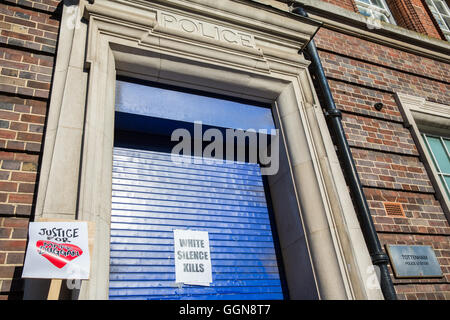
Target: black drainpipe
{"x": 379, "y": 258}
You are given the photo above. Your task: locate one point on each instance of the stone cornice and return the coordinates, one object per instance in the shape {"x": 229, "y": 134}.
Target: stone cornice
{"x": 430, "y": 116}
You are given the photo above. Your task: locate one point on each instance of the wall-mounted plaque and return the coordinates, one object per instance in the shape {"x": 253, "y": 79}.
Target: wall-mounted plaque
{"x": 414, "y": 261}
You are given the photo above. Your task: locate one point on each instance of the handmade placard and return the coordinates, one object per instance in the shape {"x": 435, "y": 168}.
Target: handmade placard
{"x": 57, "y": 250}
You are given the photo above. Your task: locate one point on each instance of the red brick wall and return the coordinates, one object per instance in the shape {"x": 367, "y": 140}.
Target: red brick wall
{"x": 13, "y": 235}
{"x": 22, "y": 123}
{"x": 423, "y": 289}
{"x": 28, "y": 40}
{"x": 391, "y": 171}
{"x": 378, "y": 134}
{"x": 346, "y": 4}
{"x": 43, "y": 5}
{"x": 374, "y": 54}
{"x": 424, "y": 223}
{"x": 413, "y": 15}
{"x": 382, "y": 78}
{"x": 361, "y": 73}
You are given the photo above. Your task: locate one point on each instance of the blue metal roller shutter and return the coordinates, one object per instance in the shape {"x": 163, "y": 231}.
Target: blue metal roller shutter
{"x": 153, "y": 195}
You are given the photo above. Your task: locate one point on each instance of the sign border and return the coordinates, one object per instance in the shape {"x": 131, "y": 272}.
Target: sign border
{"x": 394, "y": 269}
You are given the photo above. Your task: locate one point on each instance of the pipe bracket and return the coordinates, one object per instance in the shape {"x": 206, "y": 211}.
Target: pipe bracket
{"x": 333, "y": 113}
{"x": 379, "y": 258}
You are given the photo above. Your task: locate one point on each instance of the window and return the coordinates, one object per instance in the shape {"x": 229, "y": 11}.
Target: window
{"x": 441, "y": 13}
{"x": 377, "y": 9}
{"x": 429, "y": 123}
{"x": 439, "y": 148}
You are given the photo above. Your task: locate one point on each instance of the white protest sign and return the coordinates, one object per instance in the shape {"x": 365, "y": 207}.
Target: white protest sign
{"x": 192, "y": 257}
{"x": 57, "y": 250}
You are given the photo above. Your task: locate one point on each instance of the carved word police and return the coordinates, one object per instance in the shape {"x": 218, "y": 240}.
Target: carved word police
{"x": 205, "y": 29}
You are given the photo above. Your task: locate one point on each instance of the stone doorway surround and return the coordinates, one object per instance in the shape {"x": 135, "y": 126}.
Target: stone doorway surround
{"x": 237, "y": 48}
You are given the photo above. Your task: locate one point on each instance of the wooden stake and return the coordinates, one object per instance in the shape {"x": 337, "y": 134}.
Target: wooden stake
{"x": 55, "y": 289}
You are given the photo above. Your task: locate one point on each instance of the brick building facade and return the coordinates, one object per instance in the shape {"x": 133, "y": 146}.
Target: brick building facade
{"x": 361, "y": 71}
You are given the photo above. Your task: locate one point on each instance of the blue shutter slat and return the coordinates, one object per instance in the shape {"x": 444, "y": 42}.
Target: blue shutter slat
{"x": 227, "y": 184}
{"x": 163, "y": 276}
{"x": 169, "y": 235}
{"x": 212, "y": 229}
{"x": 167, "y": 255}
{"x": 259, "y": 296}
{"x": 160, "y": 187}
{"x": 153, "y": 195}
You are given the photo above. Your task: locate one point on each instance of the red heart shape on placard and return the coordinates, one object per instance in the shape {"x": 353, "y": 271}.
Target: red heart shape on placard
{"x": 58, "y": 253}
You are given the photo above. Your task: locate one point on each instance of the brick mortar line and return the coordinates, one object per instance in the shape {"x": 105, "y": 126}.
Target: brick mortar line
{"x": 354, "y": 113}
{"x": 419, "y": 283}
{"x": 20, "y": 19}
{"x": 410, "y": 233}
{"x": 398, "y": 190}
{"x": 402, "y": 217}
{"x": 356, "y": 84}
{"x": 383, "y": 66}
{"x": 415, "y": 234}
{"x": 384, "y": 151}
{"x": 34, "y": 153}
{"x": 25, "y": 96}
{"x": 24, "y": 49}
{"x": 18, "y": 5}
{"x": 360, "y": 85}
{"x": 20, "y": 216}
